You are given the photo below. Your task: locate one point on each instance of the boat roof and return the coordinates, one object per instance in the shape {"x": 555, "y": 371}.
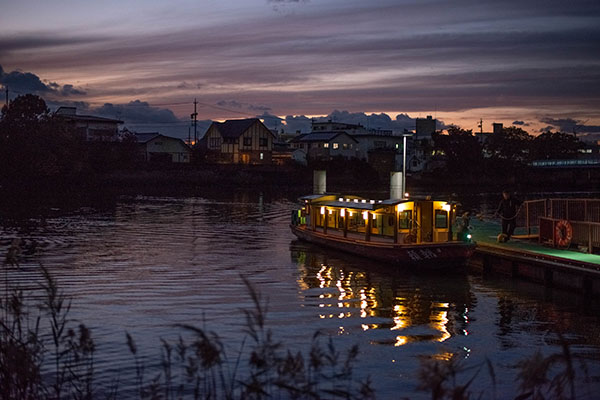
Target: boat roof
{"x": 318, "y": 196}
{"x": 360, "y": 203}
{"x": 365, "y": 205}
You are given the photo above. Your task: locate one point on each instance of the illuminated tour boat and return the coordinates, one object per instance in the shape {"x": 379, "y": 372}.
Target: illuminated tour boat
{"x": 399, "y": 230}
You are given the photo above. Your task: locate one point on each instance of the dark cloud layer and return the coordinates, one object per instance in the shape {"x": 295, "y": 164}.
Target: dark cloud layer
{"x": 240, "y": 105}
{"x": 27, "y": 82}
{"x": 382, "y": 121}
{"x": 568, "y": 125}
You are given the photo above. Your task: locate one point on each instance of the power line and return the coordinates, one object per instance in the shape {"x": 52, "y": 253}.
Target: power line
{"x": 226, "y": 109}
{"x": 157, "y": 123}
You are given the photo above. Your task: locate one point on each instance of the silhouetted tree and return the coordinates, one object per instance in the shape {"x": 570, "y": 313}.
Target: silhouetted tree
{"x": 462, "y": 150}
{"x": 511, "y": 146}
{"x": 33, "y": 143}
{"x": 555, "y": 145}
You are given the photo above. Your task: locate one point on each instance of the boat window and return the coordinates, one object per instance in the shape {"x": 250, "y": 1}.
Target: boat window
{"x": 404, "y": 221}
{"x": 441, "y": 219}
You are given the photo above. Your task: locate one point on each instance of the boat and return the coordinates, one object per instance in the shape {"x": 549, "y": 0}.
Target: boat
{"x": 404, "y": 230}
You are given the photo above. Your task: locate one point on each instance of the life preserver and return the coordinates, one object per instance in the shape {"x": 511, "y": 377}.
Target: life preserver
{"x": 563, "y": 233}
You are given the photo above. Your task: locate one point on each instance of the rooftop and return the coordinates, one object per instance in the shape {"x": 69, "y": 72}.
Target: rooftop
{"x": 145, "y": 137}
{"x": 319, "y": 137}
{"x": 234, "y": 128}
{"x": 71, "y": 113}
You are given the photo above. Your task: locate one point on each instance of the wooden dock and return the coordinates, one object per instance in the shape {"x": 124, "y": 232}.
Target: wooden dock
{"x": 529, "y": 260}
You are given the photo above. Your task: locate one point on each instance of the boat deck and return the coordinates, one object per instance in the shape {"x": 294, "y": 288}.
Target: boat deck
{"x": 357, "y": 236}
{"x": 360, "y": 237}
{"x": 486, "y": 233}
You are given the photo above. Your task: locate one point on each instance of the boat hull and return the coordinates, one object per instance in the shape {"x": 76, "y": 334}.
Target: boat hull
{"x": 429, "y": 255}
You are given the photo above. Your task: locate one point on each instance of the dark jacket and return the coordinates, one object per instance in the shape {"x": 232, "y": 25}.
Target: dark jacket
{"x": 508, "y": 208}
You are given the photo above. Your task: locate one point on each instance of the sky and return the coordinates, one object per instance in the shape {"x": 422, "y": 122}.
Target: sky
{"x": 382, "y": 63}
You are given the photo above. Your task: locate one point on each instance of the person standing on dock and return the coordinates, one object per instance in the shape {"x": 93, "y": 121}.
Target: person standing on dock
{"x": 508, "y": 210}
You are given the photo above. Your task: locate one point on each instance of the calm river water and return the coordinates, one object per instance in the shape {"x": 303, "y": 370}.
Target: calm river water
{"x": 144, "y": 264}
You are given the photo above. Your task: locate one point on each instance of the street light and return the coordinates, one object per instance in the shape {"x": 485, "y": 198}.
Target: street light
{"x": 404, "y": 136}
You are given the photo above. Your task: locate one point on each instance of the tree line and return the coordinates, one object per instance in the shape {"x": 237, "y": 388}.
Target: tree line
{"x": 36, "y": 144}
{"x": 503, "y": 152}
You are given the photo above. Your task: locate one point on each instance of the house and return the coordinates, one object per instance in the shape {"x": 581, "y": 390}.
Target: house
{"x": 239, "y": 141}
{"x": 376, "y": 140}
{"x": 366, "y": 139}
{"x": 88, "y": 127}
{"x": 160, "y": 148}
{"x": 325, "y": 145}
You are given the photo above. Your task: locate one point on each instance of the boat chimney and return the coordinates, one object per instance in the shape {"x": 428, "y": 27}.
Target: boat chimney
{"x": 396, "y": 185}
{"x": 319, "y": 182}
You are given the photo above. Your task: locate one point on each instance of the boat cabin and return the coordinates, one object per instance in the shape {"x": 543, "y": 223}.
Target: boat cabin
{"x": 409, "y": 221}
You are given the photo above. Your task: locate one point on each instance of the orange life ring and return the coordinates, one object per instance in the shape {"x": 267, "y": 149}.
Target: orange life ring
{"x": 563, "y": 233}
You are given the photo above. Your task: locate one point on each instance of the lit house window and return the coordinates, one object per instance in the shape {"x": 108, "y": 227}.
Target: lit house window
{"x": 397, "y": 145}
{"x": 262, "y": 156}
{"x": 325, "y": 145}
{"x": 345, "y": 146}
{"x": 335, "y": 146}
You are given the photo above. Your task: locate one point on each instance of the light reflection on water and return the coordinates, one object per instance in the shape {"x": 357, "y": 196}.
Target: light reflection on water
{"x": 150, "y": 263}
{"x": 406, "y": 316}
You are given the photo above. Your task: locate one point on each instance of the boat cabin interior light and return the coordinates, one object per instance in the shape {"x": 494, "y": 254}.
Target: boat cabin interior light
{"x": 401, "y": 220}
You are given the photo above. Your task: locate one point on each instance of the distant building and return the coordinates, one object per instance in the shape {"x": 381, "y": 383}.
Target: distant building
{"x": 484, "y": 136}
{"x": 367, "y": 140}
{"x": 88, "y": 127}
{"x": 330, "y": 126}
{"x": 589, "y": 150}
{"x": 241, "y": 141}
{"x": 497, "y": 128}
{"x": 376, "y": 140}
{"x": 160, "y": 148}
{"x": 282, "y": 153}
{"x": 325, "y": 145}
{"x": 425, "y": 128}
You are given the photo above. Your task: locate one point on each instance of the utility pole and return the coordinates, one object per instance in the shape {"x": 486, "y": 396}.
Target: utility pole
{"x": 480, "y": 125}
{"x": 195, "y": 114}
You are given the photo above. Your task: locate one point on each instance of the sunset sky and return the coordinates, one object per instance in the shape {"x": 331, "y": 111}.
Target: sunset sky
{"x": 535, "y": 64}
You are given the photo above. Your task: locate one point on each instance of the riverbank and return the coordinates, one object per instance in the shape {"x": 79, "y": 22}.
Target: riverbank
{"x": 341, "y": 177}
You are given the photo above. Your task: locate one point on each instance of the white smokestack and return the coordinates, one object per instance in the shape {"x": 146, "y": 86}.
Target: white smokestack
{"x": 396, "y": 185}
{"x": 319, "y": 182}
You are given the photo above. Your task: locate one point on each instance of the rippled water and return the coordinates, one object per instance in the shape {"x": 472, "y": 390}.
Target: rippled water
{"x": 149, "y": 263}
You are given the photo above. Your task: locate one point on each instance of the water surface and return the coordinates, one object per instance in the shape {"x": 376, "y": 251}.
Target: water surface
{"x": 145, "y": 264}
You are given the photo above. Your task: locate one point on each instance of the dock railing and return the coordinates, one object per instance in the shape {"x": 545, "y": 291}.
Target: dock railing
{"x": 585, "y": 234}
{"x": 530, "y": 213}
{"x": 541, "y": 216}
{"x": 585, "y": 210}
